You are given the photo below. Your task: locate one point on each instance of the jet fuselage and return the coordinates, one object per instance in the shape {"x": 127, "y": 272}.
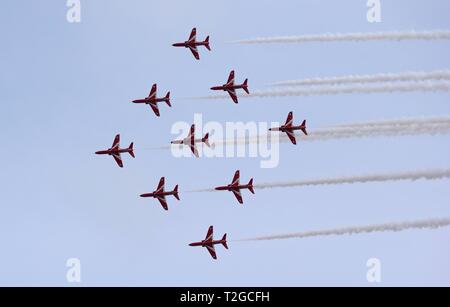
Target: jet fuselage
{"x": 288, "y": 128}
{"x": 150, "y": 100}
{"x": 207, "y": 243}
{"x": 232, "y": 187}
{"x": 188, "y": 44}
{"x": 156, "y": 194}
{"x": 227, "y": 87}
{"x": 112, "y": 151}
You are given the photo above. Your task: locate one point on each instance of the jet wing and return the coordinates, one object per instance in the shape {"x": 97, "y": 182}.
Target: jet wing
{"x": 191, "y": 140}
{"x": 235, "y": 180}
{"x": 194, "y": 52}
{"x": 233, "y": 95}
{"x": 230, "y": 80}
{"x": 289, "y": 119}
{"x": 193, "y": 35}
{"x": 211, "y": 251}
{"x": 209, "y": 234}
{"x": 116, "y": 142}
{"x": 194, "y": 149}
{"x": 118, "y": 159}
{"x": 238, "y": 195}
{"x": 155, "y": 108}
{"x": 291, "y": 136}
{"x": 152, "y": 91}
{"x": 191, "y": 134}
{"x": 162, "y": 201}
{"x": 160, "y": 187}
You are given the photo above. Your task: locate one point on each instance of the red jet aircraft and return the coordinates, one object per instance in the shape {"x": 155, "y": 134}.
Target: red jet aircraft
{"x": 160, "y": 194}
{"x": 236, "y": 188}
{"x": 192, "y": 44}
{"x": 230, "y": 87}
{"x": 115, "y": 151}
{"x": 152, "y": 100}
{"x": 190, "y": 140}
{"x": 209, "y": 242}
{"x": 289, "y": 128}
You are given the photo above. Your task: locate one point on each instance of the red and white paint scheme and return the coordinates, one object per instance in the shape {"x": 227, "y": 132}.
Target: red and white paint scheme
{"x": 192, "y": 44}
{"x": 190, "y": 141}
{"x": 160, "y": 194}
{"x": 289, "y": 128}
{"x": 236, "y": 188}
{"x": 115, "y": 151}
{"x": 152, "y": 100}
{"x": 209, "y": 242}
{"x": 231, "y": 88}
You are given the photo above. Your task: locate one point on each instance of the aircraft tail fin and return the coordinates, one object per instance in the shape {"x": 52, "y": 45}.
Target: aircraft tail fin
{"x": 176, "y": 192}
{"x": 250, "y": 186}
{"x": 224, "y": 239}
{"x": 206, "y": 140}
{"x": 130, "y": 150}
{"x": 207, "y": 43}
{"x": 304, "y": 127}
{"x": 245, "y": 86}
{"x": 168, "y": 99}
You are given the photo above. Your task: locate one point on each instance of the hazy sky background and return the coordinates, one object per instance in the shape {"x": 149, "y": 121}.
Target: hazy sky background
{"x": 66, "y": 90}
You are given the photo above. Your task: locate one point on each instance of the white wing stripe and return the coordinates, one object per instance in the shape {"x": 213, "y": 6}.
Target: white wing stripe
{"x": 210, "y": 237}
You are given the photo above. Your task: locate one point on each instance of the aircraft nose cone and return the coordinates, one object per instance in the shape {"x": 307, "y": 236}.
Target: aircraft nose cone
{"x": 191, "y": 244}
{"x": 97, "y": 152}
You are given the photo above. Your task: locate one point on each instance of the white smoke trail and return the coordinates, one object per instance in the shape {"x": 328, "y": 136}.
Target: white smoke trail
{"x": 385, "y": 128}
{"x": 414, "y": 175}
{"x": 347, "y": 89}
{"x": 400, "y": 122}
{"x": 386, "y": 77}
{"x": 421, "y": 224}
{"x": 373, "y": 131}
{"x": 381, "y": 177}
{"x": 405, "y": 127}
{"x": 330, "y": 37}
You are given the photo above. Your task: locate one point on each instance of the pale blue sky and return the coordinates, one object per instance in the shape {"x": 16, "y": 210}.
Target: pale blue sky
{"x": 66, "y": 91}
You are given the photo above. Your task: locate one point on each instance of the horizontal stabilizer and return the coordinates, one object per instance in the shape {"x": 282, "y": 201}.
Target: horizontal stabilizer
{"x": 167, "y": 99}
{"x": 304, "y": 127}
{"x": 130, "y": 150}
{"x": 224, "y": 239}
{"x": 245, "y": 86}
{"x": 177, "y": 196}
{"x": 206, "y": 140}
{"x": 207, "y": 43}
{"x": 250, "y": 186}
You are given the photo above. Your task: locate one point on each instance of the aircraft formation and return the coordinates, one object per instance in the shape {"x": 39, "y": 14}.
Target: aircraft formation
{"x": 190, "y": 140}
